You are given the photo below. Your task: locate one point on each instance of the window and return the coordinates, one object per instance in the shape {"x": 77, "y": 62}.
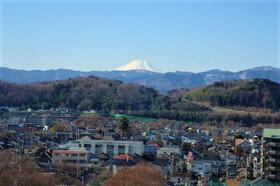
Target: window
{"x": 121, "y": 149}
{"x": 131, "y": 149}
{"x": 87, "y": 146}
{"x": 110, "y": 150}
{"x": 98, "y": 148}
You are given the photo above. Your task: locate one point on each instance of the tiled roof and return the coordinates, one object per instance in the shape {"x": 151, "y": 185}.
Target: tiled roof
{"x": 123, "y": 157}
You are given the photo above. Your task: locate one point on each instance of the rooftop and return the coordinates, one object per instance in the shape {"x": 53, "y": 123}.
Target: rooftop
{"x": 69, "y": 152}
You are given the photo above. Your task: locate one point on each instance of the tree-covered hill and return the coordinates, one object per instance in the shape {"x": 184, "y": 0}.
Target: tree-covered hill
{"x": 78, "y": 93}
{"x": 260, "y": 93}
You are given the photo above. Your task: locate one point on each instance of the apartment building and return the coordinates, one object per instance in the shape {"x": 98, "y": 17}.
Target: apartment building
{"x": 109, "y": 147}
{"x": 271, "y": 154}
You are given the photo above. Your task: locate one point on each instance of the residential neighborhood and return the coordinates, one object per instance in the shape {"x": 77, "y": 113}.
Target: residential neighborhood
{"x": 84, "y": 145}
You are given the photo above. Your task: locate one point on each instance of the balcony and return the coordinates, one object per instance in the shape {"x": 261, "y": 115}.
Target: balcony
{"x": 272, "y": 168}
{"x": 272, "y": 152}
{"x": 272, "y": 160}
{"x": 271, "y": 176}
{"x": 272, "y": 144}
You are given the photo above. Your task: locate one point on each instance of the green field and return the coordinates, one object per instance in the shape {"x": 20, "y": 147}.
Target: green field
{"x": 134, "y": 118}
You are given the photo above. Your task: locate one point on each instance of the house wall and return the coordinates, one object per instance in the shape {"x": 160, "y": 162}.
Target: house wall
{"x": 109, "y": 147}
{"x": 200, "y": 167}
{"x": 167, "y": 150}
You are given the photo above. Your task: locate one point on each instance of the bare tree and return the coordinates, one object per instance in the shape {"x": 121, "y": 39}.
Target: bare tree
{"x": 139, "y": 175}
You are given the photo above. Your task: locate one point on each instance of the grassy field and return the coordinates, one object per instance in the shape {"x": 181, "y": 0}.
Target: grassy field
{"x": 225, "y": 110}
{"x": 134, "y": 118}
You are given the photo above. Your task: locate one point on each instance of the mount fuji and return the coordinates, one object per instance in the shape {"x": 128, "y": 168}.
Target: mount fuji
{"x": 136, "y": 65}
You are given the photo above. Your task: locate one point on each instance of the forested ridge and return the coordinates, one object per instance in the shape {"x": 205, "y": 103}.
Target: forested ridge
{"x": 78, "y": 93}
{"x": 260, "y": 93}
{"x": 104, "y": 95}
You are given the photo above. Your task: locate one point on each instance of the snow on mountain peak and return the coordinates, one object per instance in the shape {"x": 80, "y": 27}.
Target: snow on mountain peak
{"x": 136, "y": 65}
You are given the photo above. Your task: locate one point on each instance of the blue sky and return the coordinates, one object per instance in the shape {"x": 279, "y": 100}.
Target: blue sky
{"x": 171, "y": 35}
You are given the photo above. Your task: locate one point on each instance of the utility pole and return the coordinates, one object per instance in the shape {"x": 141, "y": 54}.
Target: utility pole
{"x": 246, "y": 173}
{"x": 172, "y": 163}
{"x": 78, "y": 136}
{"x": 78, "y": 165}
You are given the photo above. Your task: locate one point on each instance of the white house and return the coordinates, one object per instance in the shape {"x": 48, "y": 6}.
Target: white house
{"x": 168, "y": 150}
{"x": 200, "y": 167}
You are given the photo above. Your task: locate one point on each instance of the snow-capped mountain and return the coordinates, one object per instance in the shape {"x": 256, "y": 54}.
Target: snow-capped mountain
{"x": 136, "y": 65}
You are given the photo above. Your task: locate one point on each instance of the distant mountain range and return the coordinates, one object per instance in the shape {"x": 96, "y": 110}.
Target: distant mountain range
{"x": 161, "y": 81}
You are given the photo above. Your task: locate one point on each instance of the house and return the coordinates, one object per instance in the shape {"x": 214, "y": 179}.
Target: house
{"x": 32, "y": 150}
{"x": 200, "y": 167}
{"x": 231, "y": 172}
{"x": 189, "y": 139}
{"x": 74, "y": 160}
{"x": 150, "y": 150}
{"x": 65, "y": 135}
{"x": 168, "y": 150}
{"x": 164, "y": 164}
{"x": 121, "y": 161}
{"x": 158, "y": 144}
{"x": 243, "y": 148}
{"x": 213, "y": 157}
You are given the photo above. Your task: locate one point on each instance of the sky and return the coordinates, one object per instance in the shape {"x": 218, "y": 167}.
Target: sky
{"x": 172, "y": 35}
